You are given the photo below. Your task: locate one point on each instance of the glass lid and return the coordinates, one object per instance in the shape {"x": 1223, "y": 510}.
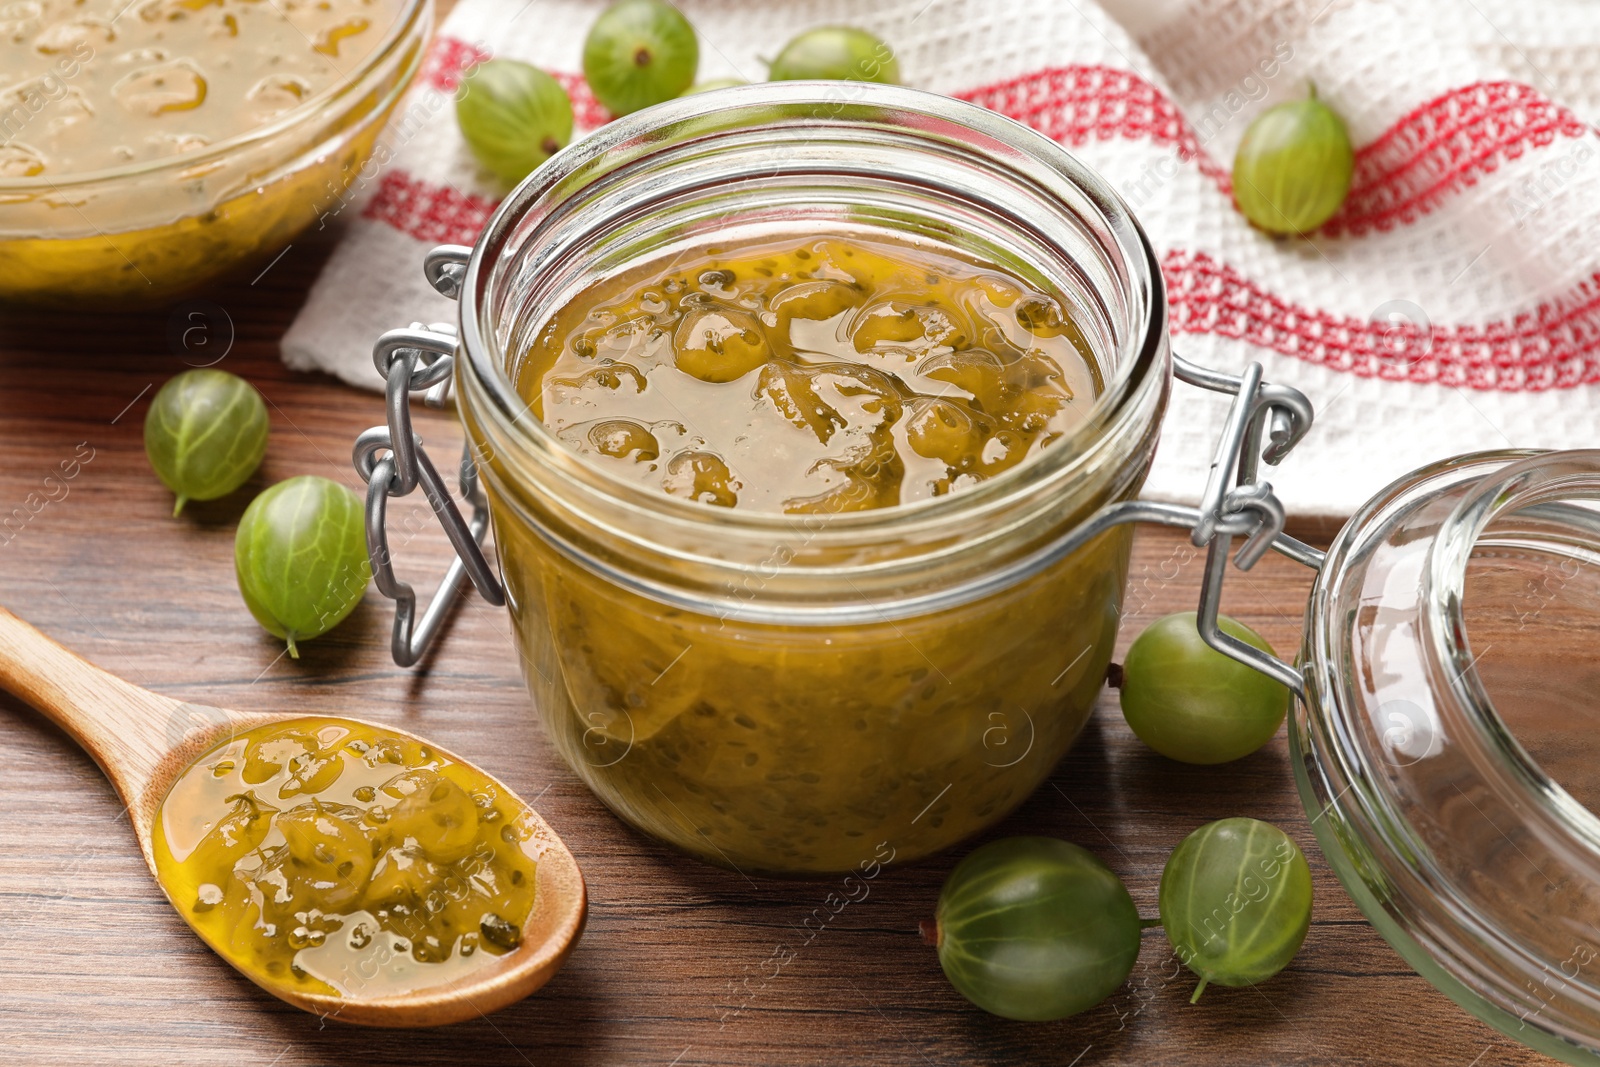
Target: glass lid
{"x": 1448, "y": 746}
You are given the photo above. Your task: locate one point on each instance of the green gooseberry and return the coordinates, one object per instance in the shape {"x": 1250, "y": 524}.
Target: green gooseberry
{"x": 639, "y": 53}
{"x": 1293, "y": 167}
{"x": 1193, "y": 704}
{"x": 301, "y": 557}
{"x": 513, "y": 116}
{"x": 1035, "y": 928}
{"x": 1236, "y": 902}
{"x": 711, "y": 85}
{"x": 205, "y": 434}
{"x": 836, "y": 53}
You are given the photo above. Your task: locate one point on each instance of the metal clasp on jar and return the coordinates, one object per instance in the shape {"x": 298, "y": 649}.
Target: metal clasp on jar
{"x": 1264, "y": 422}
{"x": 392, "y": 461}
{"x": 1237, "y": 503}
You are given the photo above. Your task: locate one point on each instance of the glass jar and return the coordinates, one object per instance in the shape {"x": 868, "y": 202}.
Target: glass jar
{"x": 785, "y": 693}
{"x": 140, "y": 234}
{"x": 1445, "y": 748}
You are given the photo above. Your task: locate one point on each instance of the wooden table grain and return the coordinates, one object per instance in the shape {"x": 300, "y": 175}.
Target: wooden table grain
{"x": 681, "y": 962}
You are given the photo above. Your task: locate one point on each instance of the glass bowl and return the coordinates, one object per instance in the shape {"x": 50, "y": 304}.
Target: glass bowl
{"x": 138, "y": 235}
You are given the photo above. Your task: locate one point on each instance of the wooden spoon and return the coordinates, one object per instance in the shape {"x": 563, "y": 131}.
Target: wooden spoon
{"x": 130, "y": 733}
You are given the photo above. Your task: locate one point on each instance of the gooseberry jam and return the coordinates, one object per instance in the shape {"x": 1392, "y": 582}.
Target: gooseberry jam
{"x": 87, "y": 85}
{"x": 811, "y": 376}
{"x": 330, "y": 857}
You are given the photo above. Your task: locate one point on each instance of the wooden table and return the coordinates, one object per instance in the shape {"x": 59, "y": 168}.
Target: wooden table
{"x": 95, "y": 968}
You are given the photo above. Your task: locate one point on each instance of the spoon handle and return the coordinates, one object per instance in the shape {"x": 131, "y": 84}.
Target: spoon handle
{"x": 121, "y": 725}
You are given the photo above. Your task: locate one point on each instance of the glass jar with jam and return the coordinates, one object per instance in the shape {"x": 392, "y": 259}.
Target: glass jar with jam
{"x": 776, "y": 401}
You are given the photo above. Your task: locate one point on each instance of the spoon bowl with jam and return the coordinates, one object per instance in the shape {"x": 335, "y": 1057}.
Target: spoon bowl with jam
{"x": 350, "y": 869}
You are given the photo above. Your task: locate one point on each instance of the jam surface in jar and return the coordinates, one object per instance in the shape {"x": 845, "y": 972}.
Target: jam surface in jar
{"x": 811, "y": 375}
{"x": 330, "y": 857}
{"x": 87, "y": 85}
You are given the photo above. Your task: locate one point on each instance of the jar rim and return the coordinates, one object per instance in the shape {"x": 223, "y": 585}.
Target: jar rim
{"x": 400, "y": 31}
{"x": 1141, "y": 351}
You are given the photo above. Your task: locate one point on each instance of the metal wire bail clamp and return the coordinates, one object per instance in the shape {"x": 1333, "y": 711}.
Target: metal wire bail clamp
{"x": 393, "y": 462}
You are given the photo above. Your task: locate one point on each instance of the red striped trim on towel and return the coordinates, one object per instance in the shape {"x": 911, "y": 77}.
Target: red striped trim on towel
{"x": 1438, "y": 148}
{"x": 1554, "y": 346}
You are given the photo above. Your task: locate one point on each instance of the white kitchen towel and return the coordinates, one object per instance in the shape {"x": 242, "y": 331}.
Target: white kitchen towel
{"x": 1453, "y": 305}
